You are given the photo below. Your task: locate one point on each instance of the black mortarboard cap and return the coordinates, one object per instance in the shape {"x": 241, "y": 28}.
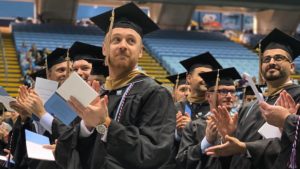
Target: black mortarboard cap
{"x": 200, "y": 60}
{"x": 126, "y": 16}
{"x": 249, "y": 91}
{"x": 181, "y": 78}
{"x": 55, "y": 57}
{"x": 80, "y": 50}
{"x": 158, "y": 82}
{"x": 226, "y": 77}
{"x": 279, "y": 40}
{"x": 40, "y": 73}
{"x": 98, "y": 67}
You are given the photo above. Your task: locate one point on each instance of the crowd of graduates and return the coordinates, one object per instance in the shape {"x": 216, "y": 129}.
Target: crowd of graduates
{"x": 136, "y": 123}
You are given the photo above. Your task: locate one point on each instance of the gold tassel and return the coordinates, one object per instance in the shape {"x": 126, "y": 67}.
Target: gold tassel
{"x": 46, "y": 65}
{"x": 260, "y": 78}
{"x": 176, "y": 85}
{"x": 68, "y": 63}
{"x": 108, "y": 36}
{"x": 216, "y": 91}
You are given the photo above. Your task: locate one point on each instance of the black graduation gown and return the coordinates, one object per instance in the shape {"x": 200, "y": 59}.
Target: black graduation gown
{"x": 197, "y": 110}
{"x": 58, "y": 128}
{"x": 287, "y": 139}
{"x": 263, "y": 151}
{"x": 190, "y": 155}
{"x": 17, "y": 143}
{"x": 143, "y": 137}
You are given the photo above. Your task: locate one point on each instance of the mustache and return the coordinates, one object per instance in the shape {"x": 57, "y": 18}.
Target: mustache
{"x": 272, "y": 66}
{"x": 123, "y": 53}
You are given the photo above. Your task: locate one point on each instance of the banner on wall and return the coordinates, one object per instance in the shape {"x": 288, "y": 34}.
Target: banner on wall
{"x": 210, "y": 21}
{"x": 248, "y": 22}
{"x": 231, "y": 21}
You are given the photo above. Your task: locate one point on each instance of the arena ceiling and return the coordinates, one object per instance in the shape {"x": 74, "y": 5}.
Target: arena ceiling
{"x": 254, "y": 4}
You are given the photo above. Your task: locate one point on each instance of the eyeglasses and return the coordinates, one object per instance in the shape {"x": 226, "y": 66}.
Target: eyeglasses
{"x": 224, "y": 92}
{"x": 277, "y": 58}
{"x": 251, "y": 99}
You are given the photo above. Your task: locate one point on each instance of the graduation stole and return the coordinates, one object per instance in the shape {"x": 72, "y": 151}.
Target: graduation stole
{"x": 195, "y": 99}
{"x": 274, "y": 91}
{"x": 292, "y": 164}
{"x": 215, "y": 93}
{"x": 112, "y": 84}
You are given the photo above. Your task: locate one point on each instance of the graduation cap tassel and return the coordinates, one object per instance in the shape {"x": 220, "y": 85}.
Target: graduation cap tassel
{"x": 68, "y": 63}
{"x": 259, "y": 60}
{"x": 46, "y": 65}
{"x": 176, "y": 85}
{"x": 292, "y": 163}
{"x": 244, "y": 95}
{"x": 108, "y": 38}
{"x": 216, "y": 90}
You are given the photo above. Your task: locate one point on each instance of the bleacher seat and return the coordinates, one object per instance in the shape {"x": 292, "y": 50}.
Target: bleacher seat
{"x": 170, "y": 47}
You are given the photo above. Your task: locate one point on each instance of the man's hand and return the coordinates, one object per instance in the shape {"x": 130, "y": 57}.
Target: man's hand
{"x": 20, "y": 109}
{"x": 94, "y": 114}
{"x": 285, "y": 100}
{"x": 31, "y": 102}
{"x": 226, "y": 124}
{"x": 233, "y": 146}
{"x": 95, "y": 85}
{"x": 211, "y": 132}
{"x": 182, "y": 120}
{"x": 51, "y": 147}
{"x": 3, "y": 134}
{"x": 274, "y": 115}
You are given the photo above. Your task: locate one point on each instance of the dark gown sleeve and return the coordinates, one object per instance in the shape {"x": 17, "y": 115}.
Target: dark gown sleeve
{"x": 289, "y": 128}
{"x": 287, "y": 140}
{"x": 189, "y": 154}
{"x": 18, "y": 144}
{"x": 66, "y": 154}
{"x": 58, "y": 128}
{"x": 149, "y": 143}
{"x": 264, "y": 152}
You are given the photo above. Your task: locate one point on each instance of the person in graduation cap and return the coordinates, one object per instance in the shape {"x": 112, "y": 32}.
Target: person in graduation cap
{"x": 181, "y": 89}
{"x": 249, "y": 95}
{"x": 32, "y": 77}
{"x": 132, "y": 125}
{"x": 99, "y": 71}
{"x": 248, "y": 147}
{"x": 58, "y": 65}
{"x": 80, "y": 54}
{"x": 285, "y": 116}
{"x": 57, "y": 69}
{"x": 195, "y": 105}
{"x": 202, "y": 132}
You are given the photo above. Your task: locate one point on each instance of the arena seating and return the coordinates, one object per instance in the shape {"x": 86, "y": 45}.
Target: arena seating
{"x": 168, "y": 47}
{"x": 172, "y": 46}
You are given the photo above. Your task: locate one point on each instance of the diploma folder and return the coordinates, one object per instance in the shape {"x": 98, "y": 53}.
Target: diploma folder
{"x": 5, "y": 99}
{"x": 3, "y": 92}
{"x": 34, "y": 146}
{"x": 75, "y": 86}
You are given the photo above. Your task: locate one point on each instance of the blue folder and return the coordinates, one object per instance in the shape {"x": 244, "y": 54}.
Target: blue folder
{"x": 3, "y": 92}
{"x": 36, "y": 138}
{"x": 58, "y": 107}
